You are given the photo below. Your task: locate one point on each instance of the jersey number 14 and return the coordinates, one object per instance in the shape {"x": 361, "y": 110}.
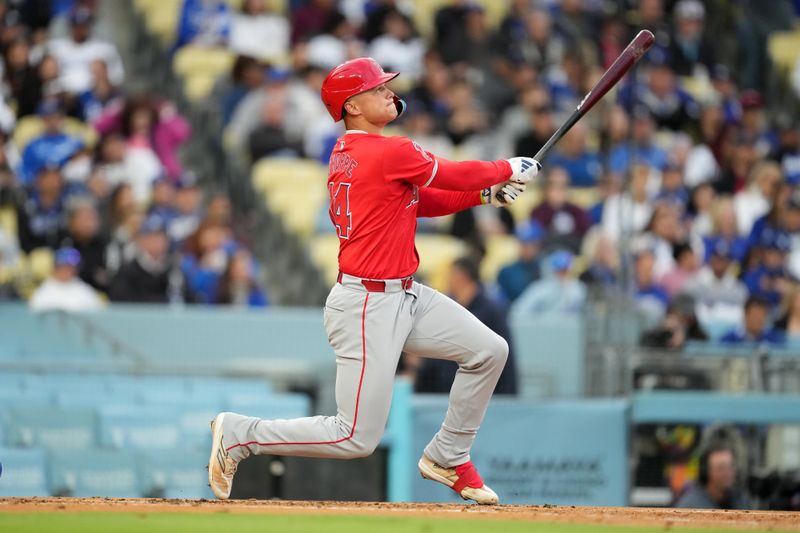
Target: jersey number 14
{"x": 340, "y": 209}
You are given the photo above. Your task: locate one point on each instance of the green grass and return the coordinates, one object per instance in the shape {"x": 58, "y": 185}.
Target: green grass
{"x": 253, "y": 523}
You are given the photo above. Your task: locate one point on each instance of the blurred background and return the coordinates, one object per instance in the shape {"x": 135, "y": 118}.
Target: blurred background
{"x": 165, "y": 247}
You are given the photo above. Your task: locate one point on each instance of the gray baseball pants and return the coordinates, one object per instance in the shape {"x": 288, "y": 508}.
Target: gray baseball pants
{"x": 368, "y": 331}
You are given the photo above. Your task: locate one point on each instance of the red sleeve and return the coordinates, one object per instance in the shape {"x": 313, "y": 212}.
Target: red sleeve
{"x": 405, "y": 160}
{"x": 438, "y": 203}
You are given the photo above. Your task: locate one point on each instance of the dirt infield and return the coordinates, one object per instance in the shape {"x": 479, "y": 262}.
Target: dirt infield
{"x": 666, "y": 518}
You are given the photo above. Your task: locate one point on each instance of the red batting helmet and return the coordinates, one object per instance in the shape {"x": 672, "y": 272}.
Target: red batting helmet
{"x": 349, "y": 79}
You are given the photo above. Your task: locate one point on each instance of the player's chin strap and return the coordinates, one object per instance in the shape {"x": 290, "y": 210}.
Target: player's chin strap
{"x": 401, "y": 106}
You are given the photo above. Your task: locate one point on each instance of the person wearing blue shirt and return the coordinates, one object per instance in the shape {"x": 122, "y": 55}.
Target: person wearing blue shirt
{"x": 41, "y": 217}
{"x": 769, "y": 279}
{"x": 514, "y": 278}
{"x": 52, "y": 148}
{"x": 204, "y": 22}
{"x": 559, "y": 292}
{"x": 641, "y": 148}
{"x": 583, "y": 166}
{"x": 755, "y": 329}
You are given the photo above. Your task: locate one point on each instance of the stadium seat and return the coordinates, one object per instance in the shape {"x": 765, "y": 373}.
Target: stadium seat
{"x": 584, "y": 197}
{"x": 139, "y": 427}
{"x": 277, "y": 406}
{"x": 425, "y": 13}
{"x": 175, "y": 475}
{"x": 522, "y": 207}
{"x": 324, "y": 251}
{"x": 161, "y": 18}
{"x": 24, "y": 473}
{"x": 784, "y": 50}
{"x": 437, "y": 253}
{"x": 200, "y": 67}
{"x": 94, "y": 473}
{"x": 30, "y": 127}
{"x": 51, "y": 428}
{"x": 500, "y": 251}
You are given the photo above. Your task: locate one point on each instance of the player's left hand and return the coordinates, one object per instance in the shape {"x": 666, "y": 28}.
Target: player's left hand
{"x": 505, "y": 193}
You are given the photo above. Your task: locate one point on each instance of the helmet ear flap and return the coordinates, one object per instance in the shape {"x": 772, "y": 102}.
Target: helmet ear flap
{"x": 400, "y": 104}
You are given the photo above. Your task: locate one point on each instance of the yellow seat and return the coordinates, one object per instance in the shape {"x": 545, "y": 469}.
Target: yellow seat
{"x": 8, "y": 220}
{"x": 298, "y": 206}
{"x": 522, "y": 207}
{"x": 425, "y": 13}
{"x": 269, "y": 173}
{"x": 500, "y": 251}
{"x": 30, "y": 127}
{"x": 197, "y": 87}
{"x": 436, "y": 254}
{"x": 191, "y": 60}
{"x": 324, "y": 251}
{"x": 161, "y": 18}
{"x": 584, "y": 197}
{"x": 784, "y": 50}
{"x": 40, "y": 263}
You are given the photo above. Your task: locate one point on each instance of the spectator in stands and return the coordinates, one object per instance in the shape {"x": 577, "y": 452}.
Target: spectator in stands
{"x": 103, "y": 91}
{"x": 83, "y": 234}
{"x": 725, "y": 228}
{"x": 310, "y": 19}
{"x": 9, "y": 255}
{"x": 754, "y": 124}
{"x": 239, "y": 285}
{"x": 673, "y": 191}
{"x": 151, "y": 276}
{"x": 247, "y": 75}
{"x": 716, "y": 483}
{"x": 689, "y": 49}
{"x": 541, "y": 126}
{"x": 572, "y": 154}
{"x": 148, "y": 125}
{"x": 564, "y": 222}
{"x": 662, "y": 96}
{"x": 122, "y": 248}
{"x": 756, "y": 329}
{"x": 650, "y": 296}
{"x": 770, "y": 280}
{"x": 76, "y": 54}
{"x": 685, "y": 269}
{"x": 678, "y": 326}
{"x": 538, "y": 45}
{"x": 663, "y": 233}
{"x": 720, "y": 296}
{"x": 628, "y": 212}
{"x": 789, "y": 319}
{"x": 738, "y": 156}
{"x": 642, "y": 148}
{"x": 40, "y": 218}
{"x": 64, "y": 290}
{"x": 142, "y": 165}
{"x": 205, "y": 259}
{"x": 252, "y": 24}
{"x": 556, "y": 292}
{"x": 204, "y": 23}
{"x": 337, "y": 43}
{"x": 53, "y": 147}
{"x": 270, "y": 137}
{"x": 603, "y": 268}
{"x": 514, "y": 278}
{"x": 19, "y": 74}
{"x": 464, "y": 286}
{"x": 700, "y": 211}
{"x": 398, "y": 48}
{"x": 188, "y": 209}
{"x": 754, "y": 202}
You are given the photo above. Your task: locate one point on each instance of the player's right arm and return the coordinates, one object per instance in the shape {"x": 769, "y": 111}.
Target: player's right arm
{"x": 405, "y": 160}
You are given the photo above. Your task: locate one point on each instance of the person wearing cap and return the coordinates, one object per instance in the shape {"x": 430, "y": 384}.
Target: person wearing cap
{"x": 53, "y": 147}
{"x": 679, "y": 325}
{"x": 85, "y": 235}
{"x": 514, "y": 278}
{"x": 641, "y": 148}
{"x": 755, "y": 329}
{"x": 770, "y": 280}
{"x": 718, "y": 293}
{"x": 76, "y": 53}
{"x": 688, "y": 48}
{"x": 754, "y": 123}
{"x": 151, "y": 276}
{"x": 557, "y": 292}
{"x": 651, "y": 298}
{"x": 64, "y": 290}
{"x": 465, "y": 287}
{"x": 565, "y": 223}
{"x": 40, "y": 217}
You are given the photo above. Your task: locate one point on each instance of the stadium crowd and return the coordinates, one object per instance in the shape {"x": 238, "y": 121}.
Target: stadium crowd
{"x": 92, "y": 183}
{"x": 689, "y": 176}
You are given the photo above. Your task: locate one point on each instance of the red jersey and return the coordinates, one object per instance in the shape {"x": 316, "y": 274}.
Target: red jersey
{"x": 377, "y": 187}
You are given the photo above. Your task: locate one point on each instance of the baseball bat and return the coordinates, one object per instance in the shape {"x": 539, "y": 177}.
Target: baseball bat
{"x": 632, "y": 53}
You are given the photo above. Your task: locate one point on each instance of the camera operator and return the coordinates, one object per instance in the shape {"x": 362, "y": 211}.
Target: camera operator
{"x": 716, "y": 483}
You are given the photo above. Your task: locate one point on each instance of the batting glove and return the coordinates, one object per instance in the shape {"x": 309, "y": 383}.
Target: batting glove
{"x": 505, "y": 193}
{"x": 524, "y": 169}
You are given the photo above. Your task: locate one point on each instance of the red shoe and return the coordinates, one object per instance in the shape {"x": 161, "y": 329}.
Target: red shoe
{"x": 464, "y": 479}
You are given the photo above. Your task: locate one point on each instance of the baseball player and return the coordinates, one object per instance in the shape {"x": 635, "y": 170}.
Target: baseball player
{"x": 378, "y": 187}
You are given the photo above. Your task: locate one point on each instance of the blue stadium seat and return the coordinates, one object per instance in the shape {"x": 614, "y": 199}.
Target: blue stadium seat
{"x": 50, "y": 427}
{"x": 175, "y": 475}
{"x": 276, "y": 406}
{"x": 24, "y": 472}
{"x": 195, "y": 426}
{"x": 94, "y": 473}
{"x": 139, "y": 427}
